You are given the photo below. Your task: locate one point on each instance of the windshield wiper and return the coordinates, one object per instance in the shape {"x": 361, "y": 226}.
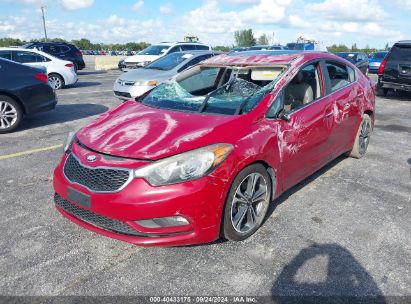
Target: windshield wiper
{"x": 225, "y": 86}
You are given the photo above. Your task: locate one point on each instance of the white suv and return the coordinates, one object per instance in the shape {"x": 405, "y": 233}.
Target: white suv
{"x": 156, "y": 51}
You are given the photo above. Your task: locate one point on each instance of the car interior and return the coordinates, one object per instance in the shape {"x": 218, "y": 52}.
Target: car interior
{"x": 303, "y": 88}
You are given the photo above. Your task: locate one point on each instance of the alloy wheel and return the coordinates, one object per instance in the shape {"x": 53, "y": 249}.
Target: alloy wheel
{"x": 8, "y": 115}
{"x": 56, "y": 82}
{"x": 364, "y": 136}
{"x": 248, "y": 202}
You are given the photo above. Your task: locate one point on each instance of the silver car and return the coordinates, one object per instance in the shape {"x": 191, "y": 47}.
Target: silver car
{"x": 137, "y": 82}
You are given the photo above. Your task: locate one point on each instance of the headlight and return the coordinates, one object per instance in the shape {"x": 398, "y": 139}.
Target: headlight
{"x": 69, "y": 141}
{"x": 185, "y": 166}
{"x": 146, "y": 83}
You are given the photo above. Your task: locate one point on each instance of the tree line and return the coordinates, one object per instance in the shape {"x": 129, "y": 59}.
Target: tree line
{"x": 243, "y": 38}
{"x": 82, "y": 44}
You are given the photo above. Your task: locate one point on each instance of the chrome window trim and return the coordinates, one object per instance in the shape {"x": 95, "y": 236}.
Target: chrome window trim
{"x": 130, "y": 175}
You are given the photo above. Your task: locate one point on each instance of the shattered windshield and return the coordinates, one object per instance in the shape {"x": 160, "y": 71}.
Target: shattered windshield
{"x": 218, "y": 90}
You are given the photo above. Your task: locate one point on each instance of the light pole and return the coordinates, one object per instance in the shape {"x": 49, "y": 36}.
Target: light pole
{"x": 44, "y": 23}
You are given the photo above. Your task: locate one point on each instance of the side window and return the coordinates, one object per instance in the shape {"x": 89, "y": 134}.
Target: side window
{"x": 339, "y": 75}
{"x": 25, "y": 57}
{"x": 202, "y": 47}
{"x": 304, "y": 88}
{"x": 275, "y": 107}
{"x": 51, "y": 49}
{"x": 64, "y": 49}
{"x": 194, "y": 62}
{"x": 351, "y": 74}
{"x": 5, "y": 54}
{"x": 174, "y": 49}
{"x": 204, "y": 79}
{"x": 187, "y": 47}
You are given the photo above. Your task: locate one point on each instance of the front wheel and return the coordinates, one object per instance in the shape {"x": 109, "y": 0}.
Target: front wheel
{"x": 362, "y": 139}
{"x": 247, "y": 203}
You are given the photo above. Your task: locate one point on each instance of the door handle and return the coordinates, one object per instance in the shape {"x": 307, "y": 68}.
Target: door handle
{"x": 360, "y": 95}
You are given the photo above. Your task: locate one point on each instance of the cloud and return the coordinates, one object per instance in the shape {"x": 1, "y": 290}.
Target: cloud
{"x": 401, "y": 4}
{"x": 348, "y": 10}
{"x": 72, "y": 5}
{"x": 329, "y": 21}
{"x": 166, "y": 9}
{"x": 266, "y": 12}
{"x": 242, "y": 1}
{"x": 138, "y": 5}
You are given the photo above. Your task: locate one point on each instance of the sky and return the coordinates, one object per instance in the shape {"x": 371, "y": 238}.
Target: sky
{"x": 364, "y": 22}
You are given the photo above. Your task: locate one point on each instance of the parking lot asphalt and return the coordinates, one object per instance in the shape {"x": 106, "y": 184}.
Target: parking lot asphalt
{"x": 346, "y": 230}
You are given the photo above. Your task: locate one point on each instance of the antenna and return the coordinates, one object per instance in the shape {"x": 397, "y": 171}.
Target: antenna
{"x": 44, "y": 23}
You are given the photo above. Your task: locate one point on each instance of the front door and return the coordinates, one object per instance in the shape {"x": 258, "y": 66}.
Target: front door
{"x": 304, "y": 139}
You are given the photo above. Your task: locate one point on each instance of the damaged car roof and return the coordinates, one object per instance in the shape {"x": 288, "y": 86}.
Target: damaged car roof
{"x": 260, "y": 58}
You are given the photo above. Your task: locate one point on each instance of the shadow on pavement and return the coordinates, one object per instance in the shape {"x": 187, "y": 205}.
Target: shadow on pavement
{"x": 91, "y": 72}
{"x": 284, "y": 196}
{"x": 62, "y": 113}
{"x": 325, "y": 273}
{"x": 398, "y": 95}
{"x": 84, "y": 84}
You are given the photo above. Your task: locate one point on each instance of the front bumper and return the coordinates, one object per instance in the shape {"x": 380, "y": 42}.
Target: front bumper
{"x": 200, "y": 201}
{"x": 126, "y": 92}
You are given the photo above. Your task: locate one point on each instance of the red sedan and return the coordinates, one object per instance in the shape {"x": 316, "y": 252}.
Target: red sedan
{"x": 203, "y": 155}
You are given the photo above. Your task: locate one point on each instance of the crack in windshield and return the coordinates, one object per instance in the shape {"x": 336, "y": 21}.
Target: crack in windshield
{"x": 221, "y": 90}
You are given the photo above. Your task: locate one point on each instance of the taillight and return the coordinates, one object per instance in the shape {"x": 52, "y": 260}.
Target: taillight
{"x": 69, "y": 65}
{"x": 382, "y": 66}
{"x": 42, "y": 77}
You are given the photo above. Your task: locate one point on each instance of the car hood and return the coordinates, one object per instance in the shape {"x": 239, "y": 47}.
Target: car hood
{"x": 141, "y": 58}
{"x": 143, "y": 74}
{"x": 133, "y": 130}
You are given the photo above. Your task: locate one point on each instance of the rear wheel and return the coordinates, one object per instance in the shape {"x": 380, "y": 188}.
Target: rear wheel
{"x": 10, "y": 114}
{"x": 381, "y": 91}
{"x": 362, "y": 139}
{"x": 56, "y": 81}
{"x": 247, "y": 203}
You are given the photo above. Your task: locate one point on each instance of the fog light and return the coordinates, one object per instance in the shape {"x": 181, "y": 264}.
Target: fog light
{"x": 170, "y": 221}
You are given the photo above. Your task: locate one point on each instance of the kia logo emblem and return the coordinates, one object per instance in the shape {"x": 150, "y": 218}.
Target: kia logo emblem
{"x": 91, "y": 158}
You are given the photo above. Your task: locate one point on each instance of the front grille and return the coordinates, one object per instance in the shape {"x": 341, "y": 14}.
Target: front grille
{"x": 132, "y": 65}
{"x": 118, "y": 93}
{"x": 95, "y": 179}
{"x": 95, "y": 219}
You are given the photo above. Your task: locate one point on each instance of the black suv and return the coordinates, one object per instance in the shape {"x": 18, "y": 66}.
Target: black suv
{"x": 61, "y": 50}
{"x": 395, "y": 69}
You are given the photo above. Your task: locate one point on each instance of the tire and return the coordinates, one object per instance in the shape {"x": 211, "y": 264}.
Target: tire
{"x": 56, "y": 81}
{"x": 381, "y": 91}
{"x": 11, "y": 114}
{"x": 362, "y": 138}
{"x": 242, "y": 217}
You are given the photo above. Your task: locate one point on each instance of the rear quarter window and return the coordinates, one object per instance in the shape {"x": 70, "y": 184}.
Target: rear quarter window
{"x": 5, "y": 54}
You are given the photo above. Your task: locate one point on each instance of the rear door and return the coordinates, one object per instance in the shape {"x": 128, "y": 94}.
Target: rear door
{"x": 345, "y": 94}
{"x": 398, "y": 66}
